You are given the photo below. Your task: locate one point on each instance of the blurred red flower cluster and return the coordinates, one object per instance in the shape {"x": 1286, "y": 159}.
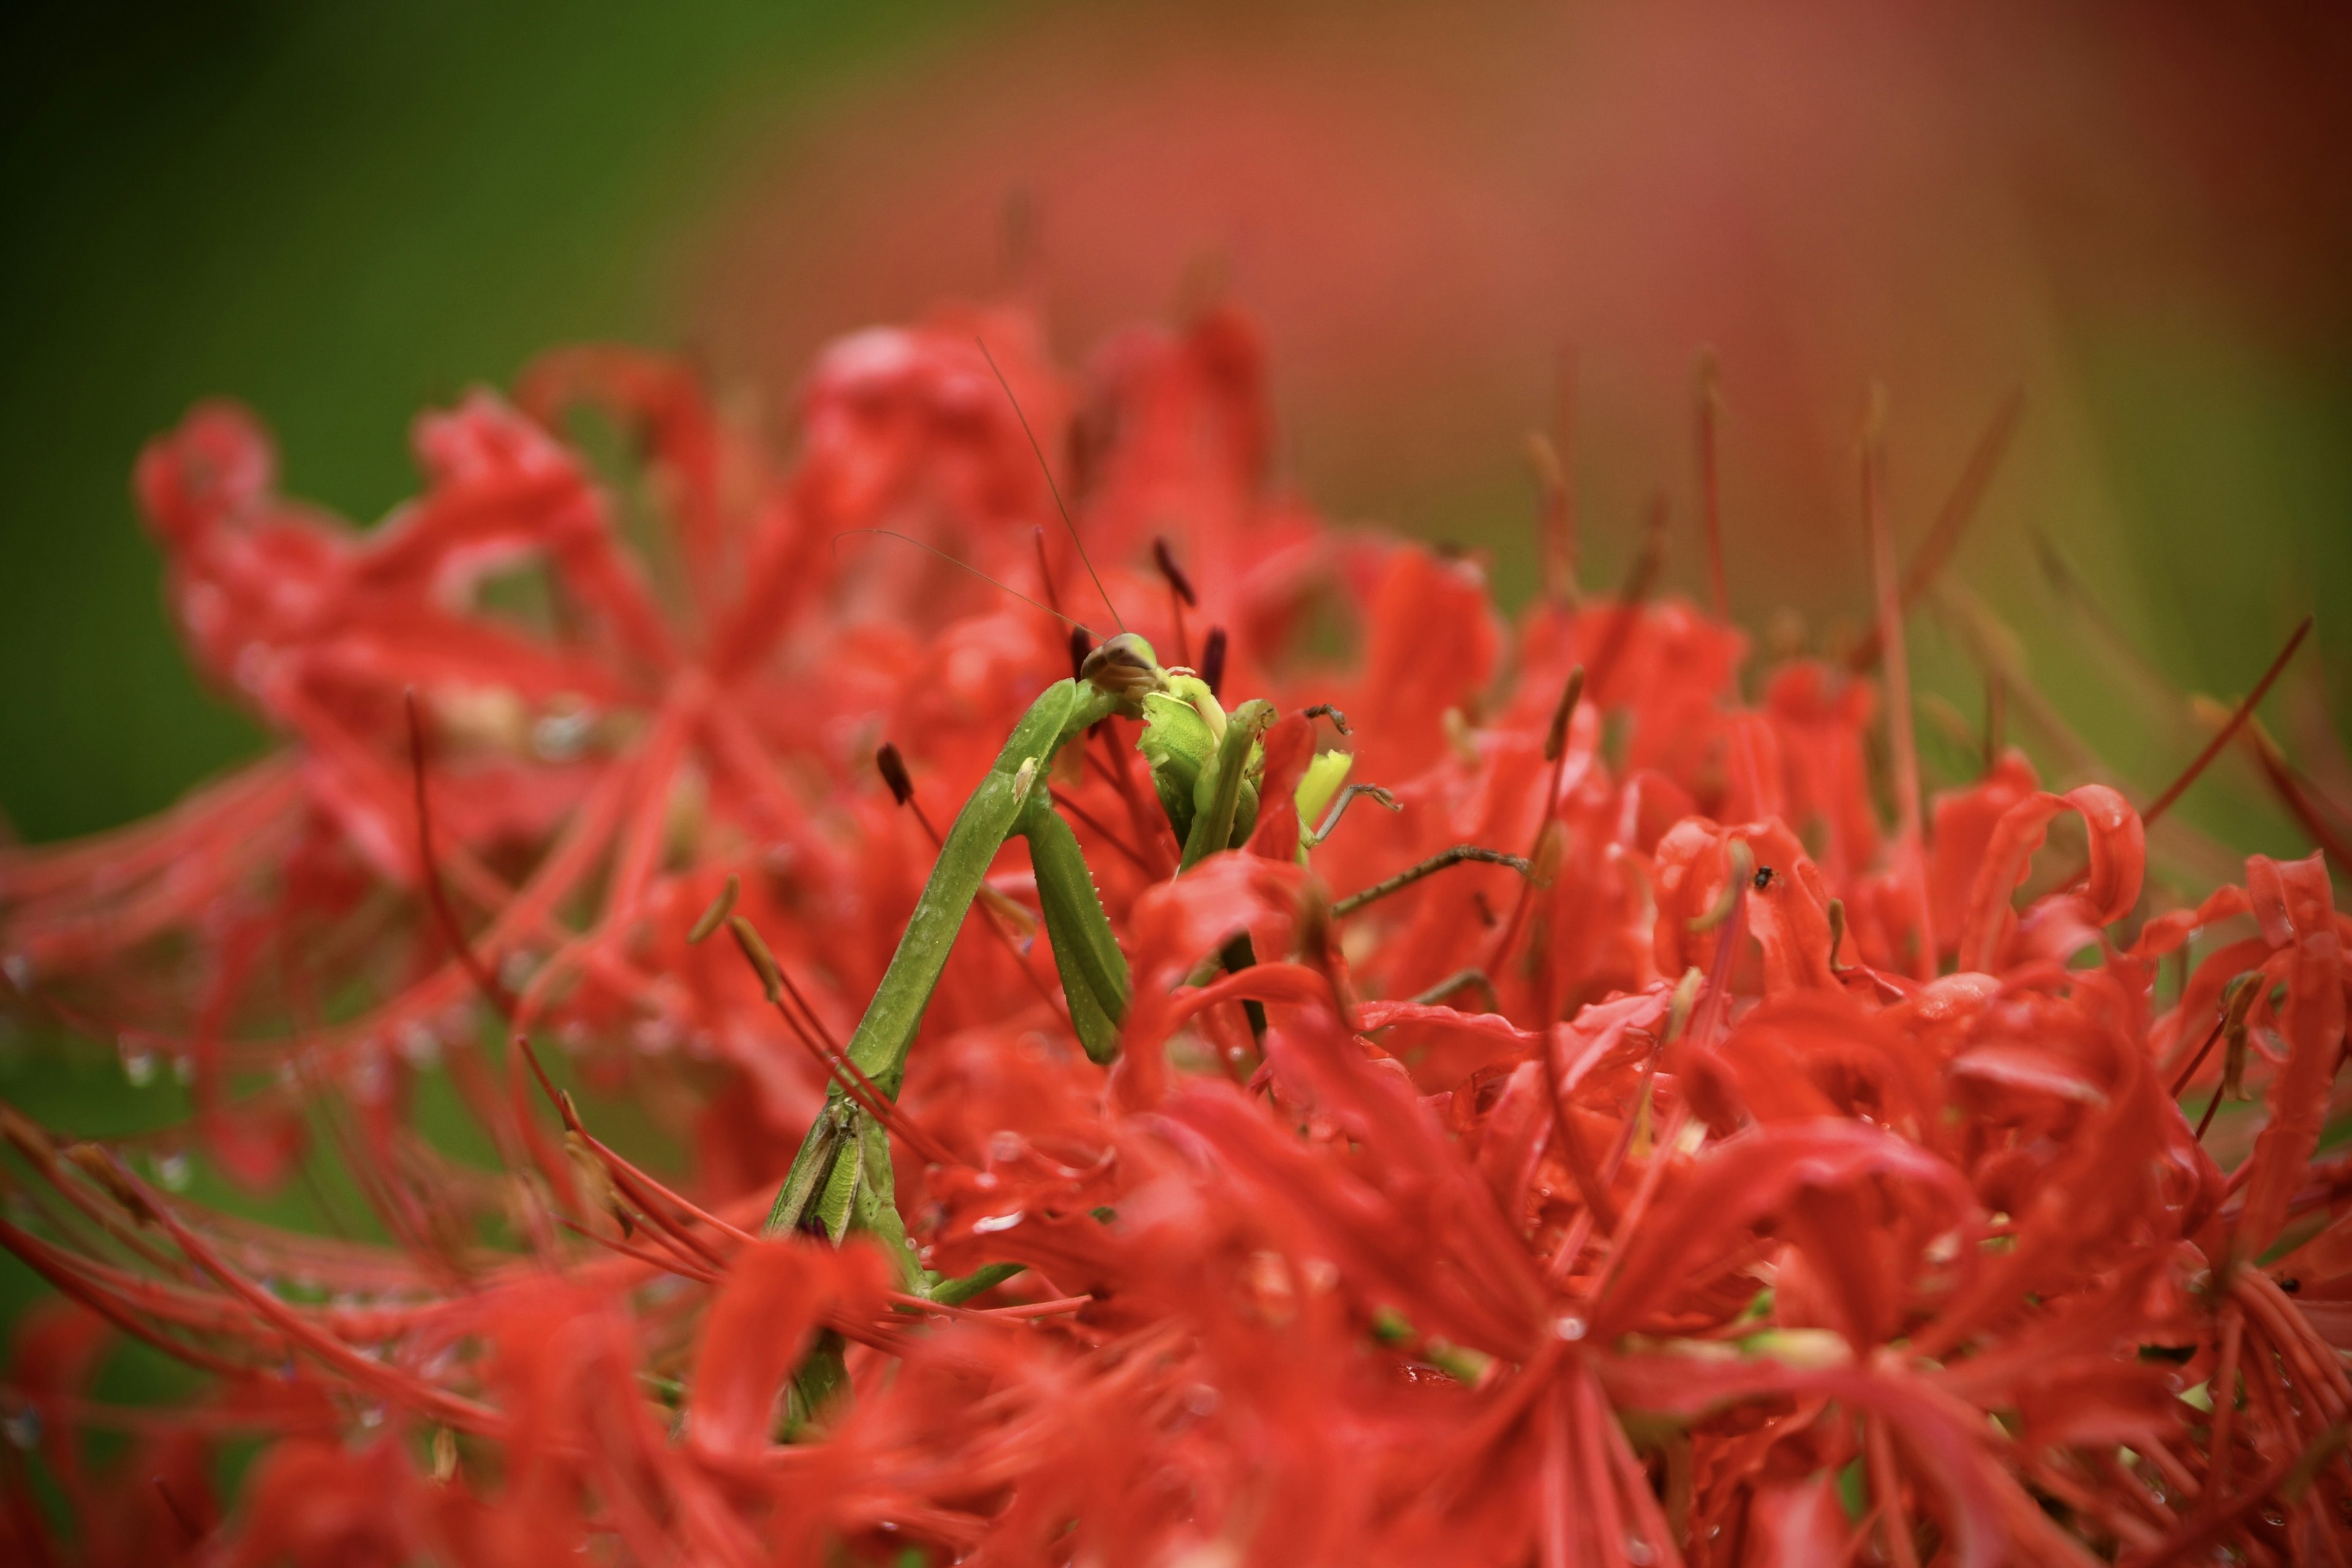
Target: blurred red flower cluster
{"x": 1753, "y": 1179}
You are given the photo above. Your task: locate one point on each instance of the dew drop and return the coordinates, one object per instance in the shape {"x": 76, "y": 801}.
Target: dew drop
{"x": 368, "y": 1079}
{"x": 138, "y": 1063}
{"x": 419, "y": 1046}
{"x": 371, "y": 1416}
{"x": 1569, "y": 1326}
{"x": 22, "y": 1425}
{"x": 174, "y": 1171}
{"x": 561, "y": 734}
{"x": 18, "y": 967}
{"x": 183, "y": 1071}
{"x": 995, "y": 1223}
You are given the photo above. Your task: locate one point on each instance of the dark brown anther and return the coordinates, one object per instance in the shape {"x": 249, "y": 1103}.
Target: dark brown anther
{"x": 755, "y": 952}
{"x": 893, "y": 768}
{"x": 1165, "y": 559}
{"x": 720, "y": 907}
{"x": 99, "y": 1165}
{"x": 1213, "y": 661}
{"x": 1082, "y": 643}
{"x": 1556, "y": 738}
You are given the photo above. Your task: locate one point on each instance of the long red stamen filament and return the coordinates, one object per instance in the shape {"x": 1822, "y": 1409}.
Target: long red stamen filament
{"x": 1633, "y": 596}
{"x": 666, "y": 1228}
{"x": 2297, "y": 800}
{"x": 1886, "y": 1486}
{"x": 861, "y": 1089}
{"x": 1960, "y": 509}
{"x": 1588, "y": 1183}
{"x": 1661, "y": 1149}
{"x": 379, "y": 1376}
{"x": 1107, "y": 836}
{"x": 1710, "y": 404}
{"x": 2211, "y": 1106}
{"x": 1708, "y": 1021}
{"x": 671, "y": 1264}
{"x": 429, "y": 878}
{"x": 1555, "y": 749}
{"x": 652, "y": 1184}
{"x": 829, "y": 1054}
{"x": 2189, "y": 1071}
{"x": 1901, "y": 738}
{"x": 46, "y": 1261}
{"x": 865, "y": 1092}
{"x": 2245, "y": 711}
{"x": 1153, "y": 837}
{"x": 1180, "y": 594}
{"x": 1560, "y": 486}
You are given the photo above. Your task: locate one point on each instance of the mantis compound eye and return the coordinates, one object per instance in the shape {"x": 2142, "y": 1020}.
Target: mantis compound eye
{"x": 1124, "y": 668}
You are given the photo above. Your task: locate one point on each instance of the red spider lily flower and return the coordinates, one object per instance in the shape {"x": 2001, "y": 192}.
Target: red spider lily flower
{"x": 1704, "y": 1169}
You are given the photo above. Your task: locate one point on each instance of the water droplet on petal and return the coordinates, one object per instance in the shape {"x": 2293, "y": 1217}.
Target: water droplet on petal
{"x": 138, "y": 1063}
{"x": 995, "y": 1223}
{"x": 1569, "y": 1326}
{"x": 174, "y": 1171}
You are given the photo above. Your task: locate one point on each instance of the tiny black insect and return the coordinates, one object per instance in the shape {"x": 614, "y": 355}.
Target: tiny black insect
{"x": 1763, "y": 877}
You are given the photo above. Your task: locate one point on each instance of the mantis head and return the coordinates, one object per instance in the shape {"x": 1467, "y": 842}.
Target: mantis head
{"x": 1125, "y": 669}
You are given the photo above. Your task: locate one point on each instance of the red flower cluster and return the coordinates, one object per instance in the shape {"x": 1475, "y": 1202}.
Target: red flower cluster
{"x": 1732, "y": 1179}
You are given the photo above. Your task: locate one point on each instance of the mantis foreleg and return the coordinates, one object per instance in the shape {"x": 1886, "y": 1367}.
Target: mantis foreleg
{"x": 822, "y": 1186}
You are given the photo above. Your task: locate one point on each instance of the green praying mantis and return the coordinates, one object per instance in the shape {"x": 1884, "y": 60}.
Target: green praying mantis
{"x": 1203, "y": 762}
{"x": 1206, "y": 764}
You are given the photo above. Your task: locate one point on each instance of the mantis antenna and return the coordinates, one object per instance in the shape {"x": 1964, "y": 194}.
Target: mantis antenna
{"x": 1047, "y": 469}
{"x": 910, "y": 539}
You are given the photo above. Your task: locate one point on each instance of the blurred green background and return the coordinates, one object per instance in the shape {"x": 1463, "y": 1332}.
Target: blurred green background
{"x": 340, "y": 214}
